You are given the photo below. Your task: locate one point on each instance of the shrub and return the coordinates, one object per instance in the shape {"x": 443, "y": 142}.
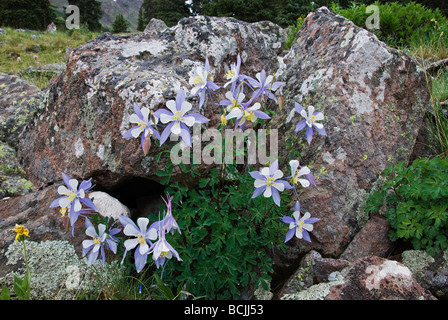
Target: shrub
{"x": 400, "y": 25}
{"x": 417, "y": 198}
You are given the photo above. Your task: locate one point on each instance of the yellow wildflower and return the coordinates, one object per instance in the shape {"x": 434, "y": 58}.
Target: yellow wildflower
{"x": 21, "y": 231}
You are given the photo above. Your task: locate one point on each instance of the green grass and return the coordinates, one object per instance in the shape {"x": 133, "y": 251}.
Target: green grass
{"x": 52, "y": 49}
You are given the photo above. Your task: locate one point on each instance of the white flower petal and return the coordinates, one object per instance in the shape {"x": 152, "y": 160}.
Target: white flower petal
{"x": 305, "y": 183}
{"x": 310, "y": 111}
{"x": 319, "y": 116}
{"x": 63, "y": 190}
{"x": 308, "y": 227}
{"x": 318, "y": 125}
{"x": 77, "y": 205}
{"x": 134, "y": 118}
{"x": 87, "y": 243}
{"x": 304, "y": 114}
{"x": 259, "y": 183}
{"x": 235, "y": 113}
{"x": 256, "y": 106}
{"x": 144, "y": 248}
{"x": 101, "y": 229}
{"x": 303, "y": 170}
{"x": 164, "y": 118}
{"x": 91, "y": 232}
{"x": 176, "y": 128}
{"x": 268, "y": 192}
{"x": 277, "y": 175}
{"x": 265, "y": 171}
{"x": 294, "y": 164}
{"x": 279, "y": 186}
{"x": 142, "y": 224}
{"x": 189, "y": 120}
{"x": 73, "y": 183}
{"x": 296, "y": 215}
{"x": 64, "y": 202}
{"x": 136, "y": 131}
{"x": 307, "y": 215}
{"x": 145, "y": 112}
{"x": 171, "y": 105}
{"x": 186, "y": 106}
{"x": 152, "y": 234}
{"x": 130, "y": 230}
{"x": 130, "y": 244}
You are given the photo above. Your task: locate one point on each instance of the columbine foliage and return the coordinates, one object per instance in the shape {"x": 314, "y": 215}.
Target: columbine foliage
{"x": 416, "y": 197}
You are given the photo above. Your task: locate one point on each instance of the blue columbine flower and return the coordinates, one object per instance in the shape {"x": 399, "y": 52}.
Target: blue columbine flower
{"x": 310, "y": 121}
{"x": 142, "y": 240}
{"x": 100, "y": 241}
{"x": 168, "y": 223}
{"x": 247, "y": 113}
{"x": 73, "y": 198}
{"x": 299, "y": 226}
{"x": 267, "y": 181}
{"x": 145, "y": 127}
{"x": 233, "y": 75}
{"x": 161, "y": 249}
{"x": 265, "y": 86}
{"x": 179, "y": 121}
{"x": 201, "y": 82}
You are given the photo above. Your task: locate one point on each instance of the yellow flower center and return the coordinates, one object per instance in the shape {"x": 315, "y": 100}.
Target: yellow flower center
{"x": 142, "y": 124}
{"x": 270, "y": 181}
{"x": 164, "y": 254}
{"x": 71, "y": 195}
{"x": 96, "y": 241}
{"x": 300, "y": 225}
{"x": 295, "y": 177}
{"x": 249, "y": 115}
{"x": 230, "y": 74}
{"x": 234, "y": 104}
{"x": 63, "y": 211}
{"x": 141, "y": 239}
{"x": 223, "y": 120}
{"x": 177, "y": 116}
{"x": 313, "y": 119}
{"x": 198, "y": 81}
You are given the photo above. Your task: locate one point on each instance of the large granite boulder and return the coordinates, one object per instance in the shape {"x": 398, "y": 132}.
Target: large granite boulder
{"x": 79, "y": 129}
{"x": 372, "y": 97}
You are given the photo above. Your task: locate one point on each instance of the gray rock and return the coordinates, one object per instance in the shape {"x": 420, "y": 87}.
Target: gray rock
{"x": 19, "y": 100}
{"x": 154, "y": 26}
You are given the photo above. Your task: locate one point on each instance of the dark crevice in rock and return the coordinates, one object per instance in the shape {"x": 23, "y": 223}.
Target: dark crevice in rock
{"x": 142, "y": 196}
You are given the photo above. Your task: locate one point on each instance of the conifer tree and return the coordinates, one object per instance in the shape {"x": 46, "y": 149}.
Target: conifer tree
{"x": 120, "y": 24}
{"x": 26, "y": 14}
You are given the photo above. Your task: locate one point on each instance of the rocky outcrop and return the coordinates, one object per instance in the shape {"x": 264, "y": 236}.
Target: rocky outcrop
{"x": 372, "y": 97}
{"x": 80, "y": 128}
{"x": 368, "y": 278}
{"x": 19, "y": 100}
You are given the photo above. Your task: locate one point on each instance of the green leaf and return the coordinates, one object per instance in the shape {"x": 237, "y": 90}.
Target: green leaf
{"x": 4, "y": 294}
{"x": 163, "y": 288}
{"x": 203, "y": 182}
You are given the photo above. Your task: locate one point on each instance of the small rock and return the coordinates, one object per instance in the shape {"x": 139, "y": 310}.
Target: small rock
{"x": 154, "y": 26}
{"x": 108, "y": 206}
